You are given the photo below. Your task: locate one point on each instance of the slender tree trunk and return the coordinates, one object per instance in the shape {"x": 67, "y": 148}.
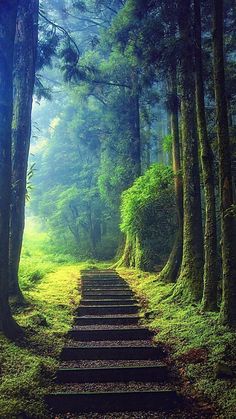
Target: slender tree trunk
{"x": 7, "y": 33}
{"x": 24, "y": 76}
{"x": 135, "y": 146}
{"x": 128, "y": 253}
{"x": 228, "y": 228}
{"x": 135, "y": 153}
{"x": 171, "y": 270}
{"x": 211, "y": 266}
{"x": 191, "y": 275}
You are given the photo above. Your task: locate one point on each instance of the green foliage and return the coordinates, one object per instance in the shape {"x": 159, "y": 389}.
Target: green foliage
{"x": 66, "y": 181}
{"x": 148, "y": 213}
{"x": 167, "y": 143}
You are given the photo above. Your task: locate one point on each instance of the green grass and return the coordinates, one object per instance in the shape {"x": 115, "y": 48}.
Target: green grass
{"x": 197, "y": 341}
{"x": 50, "y": 283}
{"x": 27, "y": 367}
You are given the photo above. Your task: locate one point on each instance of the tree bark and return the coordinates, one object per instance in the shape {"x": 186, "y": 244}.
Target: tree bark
{"x": 211, "y": 266}
{"x": 228, "y": 228}
{"x": 135, "y": 143}
{"x": 128, "y": 253}
{"x": 128, "y": 256}
{"x": 191, "y": 275}
{"x": 135, "y": 146}
{"x": 171, "y": 270}
{"x": 8, "y": 11}
{"x": 24, "y": 77}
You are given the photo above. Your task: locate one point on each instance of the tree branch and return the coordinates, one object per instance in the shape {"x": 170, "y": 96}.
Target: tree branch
{"x": 61, "y": 29}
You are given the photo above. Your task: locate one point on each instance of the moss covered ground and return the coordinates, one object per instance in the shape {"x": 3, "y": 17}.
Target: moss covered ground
{"x": 198, "y": 345}
{"x": 28, "y": 366}
{"x": 50, "y": 284}
{"x": 201, "y": 348}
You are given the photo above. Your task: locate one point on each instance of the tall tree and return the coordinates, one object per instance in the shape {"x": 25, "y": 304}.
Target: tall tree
{"x": 24, "y": 76}
{"x": 228, "y": 227}
{"x": 191, "y": 274}
{"x": 8, "y": 11}
{"x": 207, "y": 163}
{"x": 135, "y": 146}
{"x": 171, "y": 270}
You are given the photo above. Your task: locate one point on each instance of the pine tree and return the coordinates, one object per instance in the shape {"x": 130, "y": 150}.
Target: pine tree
{"x": 228, "y": 227}
{"x": 8, "y": 13}
{"x": 24, "y": 76}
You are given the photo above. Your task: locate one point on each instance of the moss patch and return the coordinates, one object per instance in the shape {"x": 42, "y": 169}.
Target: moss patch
{"x": 27, "y": 367}
{"x": 198, "y": 342}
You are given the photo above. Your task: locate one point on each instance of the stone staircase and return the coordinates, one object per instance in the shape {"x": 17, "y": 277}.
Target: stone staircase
{"x": 110, "y": 363}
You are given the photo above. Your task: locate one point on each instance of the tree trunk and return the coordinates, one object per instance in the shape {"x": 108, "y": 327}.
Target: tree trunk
{"x": 128, "y": 256}
{"x": 211, "y": 266}
{"x": 135, "y": 143}
{"x": 128, "y": 253}
{"x": 228, "y": 228}
{"x": 171, "y": 270}
{"x": 135, "y": 146}
{"x": 191, "y": 275}
{"x": 24, "y": 76}
{"x": 7, "y": 33}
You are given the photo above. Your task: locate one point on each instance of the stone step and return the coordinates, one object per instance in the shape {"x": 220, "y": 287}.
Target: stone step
{"x": 95, "y": 296}
{"x": 103, "y": 402}
{"x": 105, "y": 288}
{"x": 122, "y": 309}
{"x": 106, "y": 334}
{"x": 109, "y": 284}
{"x": 85, "y": 321}
{"x": 101, "y": 274}
{"x": 105, "y": 281}
{"x": 107, "y": 294}
{"x": 108, "y": 302}
{"x": 111, "y": 353}
{"x": 113, "y": 374}
{"x": 101, "y": 278}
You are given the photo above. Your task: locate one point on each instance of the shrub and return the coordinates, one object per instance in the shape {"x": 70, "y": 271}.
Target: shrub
{"x": 148, "y": 216}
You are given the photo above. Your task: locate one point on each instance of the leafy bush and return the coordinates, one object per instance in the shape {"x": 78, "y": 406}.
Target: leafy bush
{"x": 148, "y": 215}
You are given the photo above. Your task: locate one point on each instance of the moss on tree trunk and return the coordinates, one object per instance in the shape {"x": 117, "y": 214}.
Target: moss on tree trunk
{"x": 211, "y": 266}
{"x": 24, "y": 75}
{"x": 7, "y": 33}
{"x": 171, "y": 270}
{"x": 190, "y": 281}
{"x": 228, "y": 227}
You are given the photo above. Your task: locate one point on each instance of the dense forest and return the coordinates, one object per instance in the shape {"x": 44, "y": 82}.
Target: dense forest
{"x": 118, "y": 149}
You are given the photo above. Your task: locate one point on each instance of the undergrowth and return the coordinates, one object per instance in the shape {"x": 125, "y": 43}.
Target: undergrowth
{"x": 200, "y": 346}
{"x": 50, "y": 284}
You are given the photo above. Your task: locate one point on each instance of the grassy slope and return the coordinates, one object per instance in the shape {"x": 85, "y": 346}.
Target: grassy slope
{"x": 197, "y": 341}
{"x": 50, "y": 284}
{"x": 28, "y": 367}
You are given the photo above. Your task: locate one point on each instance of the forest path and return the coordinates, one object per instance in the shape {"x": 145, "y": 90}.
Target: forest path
{"x": 110, "y": 363}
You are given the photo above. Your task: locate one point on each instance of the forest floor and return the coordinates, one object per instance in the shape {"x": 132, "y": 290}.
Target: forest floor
{"x": 27, "y": 367}
{"x": 50, "y": 285}
{"x": 202, "y": 351}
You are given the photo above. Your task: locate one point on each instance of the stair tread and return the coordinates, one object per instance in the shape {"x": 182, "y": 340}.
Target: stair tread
{"x": 113, "y": 368}
{"x": 120, "y": 328}
{"x": 118, "y": 392}
{"x": 106, "y": 334}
